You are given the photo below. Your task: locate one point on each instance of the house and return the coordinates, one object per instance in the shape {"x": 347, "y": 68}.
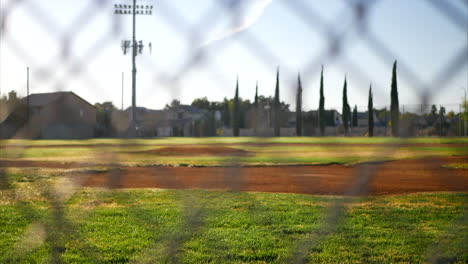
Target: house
{"x": 147, "y": 120}
{"x": 363, "y": 120}
{"x": 59, "y": 115}
{"x": 176, "y": 120}
{"x": 332, "y": 118}
{"x": 288, "y": 123}
{"x": 179, "y": 120}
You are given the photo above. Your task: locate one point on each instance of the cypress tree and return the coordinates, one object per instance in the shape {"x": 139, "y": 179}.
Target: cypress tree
{"x": 236, "y": 112}
{"x": 299, "y": 107}
{"x": 256, "y": 110}
{"x": 277, "y": 106}
{"x": 394, "y": 106}
{"x": 321, "y": 111}
{"x": 227, "y": 113}
{"x": 355, "y": 116}
{"x": 346, "y": 109}
{"x": 256, "y": 96}
{"x": 370, "y": 111}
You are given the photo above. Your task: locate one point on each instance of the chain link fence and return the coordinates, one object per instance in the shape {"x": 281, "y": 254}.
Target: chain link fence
{"x": 59, "y": 231}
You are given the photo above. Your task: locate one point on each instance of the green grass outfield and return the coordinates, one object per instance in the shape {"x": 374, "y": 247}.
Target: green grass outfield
{"x": 42, "y": 213}
{"x": 246, "y": 140}
{"x": 148, "y": 226}
{"x": 261, "y": 151}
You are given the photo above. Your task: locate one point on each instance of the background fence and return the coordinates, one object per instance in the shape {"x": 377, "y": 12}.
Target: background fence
{"x": 336, "y": 39}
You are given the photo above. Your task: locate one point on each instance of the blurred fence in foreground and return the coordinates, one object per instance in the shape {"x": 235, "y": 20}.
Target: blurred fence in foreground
{"x": 59, "y": 228}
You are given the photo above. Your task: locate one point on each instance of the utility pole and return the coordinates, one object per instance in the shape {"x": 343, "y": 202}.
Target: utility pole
{"x": 465, "y": 113}
{"x": 122, "y": 90}
{"x": 27, "y": 93}
{"x": 460, "y": 120}
{"x": 137, "y": 48}
{"x": 441, "y": 117}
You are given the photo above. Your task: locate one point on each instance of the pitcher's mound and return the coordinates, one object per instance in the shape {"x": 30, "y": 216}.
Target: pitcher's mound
{"x": 195, "y": 151}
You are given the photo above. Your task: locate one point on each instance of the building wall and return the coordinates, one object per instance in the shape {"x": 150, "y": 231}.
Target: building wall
{"x": 164, "y": 131}
{"x": 80, "y": 111}
{"x": 67, "y": 118}
{"x": 291, "y": 132}
{"x": 61, "y": 131}
{"x": 261, "y": 132}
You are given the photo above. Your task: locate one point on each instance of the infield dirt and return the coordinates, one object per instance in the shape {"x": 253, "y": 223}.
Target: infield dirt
{"x": 402, "y": 176}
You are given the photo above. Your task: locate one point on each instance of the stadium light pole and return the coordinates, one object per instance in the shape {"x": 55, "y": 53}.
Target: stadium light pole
{"x": 27, "y": 93}
{"x": 134, "y": 10}
{"x": 465, "y": 110}
{"x": 122, "y": 91}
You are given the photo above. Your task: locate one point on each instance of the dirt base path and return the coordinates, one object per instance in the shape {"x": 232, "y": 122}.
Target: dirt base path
{"x": 265, "y": 144}
{"x": 43, "y": 164}
{"x": 405, "y": 176}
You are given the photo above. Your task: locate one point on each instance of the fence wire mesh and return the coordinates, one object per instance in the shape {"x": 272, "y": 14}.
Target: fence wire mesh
{"x": 58, "y": 231}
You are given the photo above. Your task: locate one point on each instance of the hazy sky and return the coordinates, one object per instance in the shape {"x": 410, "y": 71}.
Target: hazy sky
{"x": 75, "y": 46}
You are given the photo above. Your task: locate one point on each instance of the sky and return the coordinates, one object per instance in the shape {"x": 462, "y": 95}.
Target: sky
{"x": 75, "y": 46}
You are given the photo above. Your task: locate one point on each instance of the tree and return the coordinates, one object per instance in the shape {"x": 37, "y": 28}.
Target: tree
{"x": 442, "y": 111}
{"x": 299, "y": 107}
{"x": 236, "y": 112}
{"x": 3, "y": 107}
{"x": 174, "y": 105}
{"x": 104, "y": 111}
{"x": 346, "y": 109}
{"x": 256, "y": 110}
{"x": 434, "y": 110}
{"x": 433, "y": 116}
{"x": 256, "y": 95}
{"x": 394, "y": 106}
{"x": 464, "y": 117}
{"x": 442, "y": 119}
{"x": 451, "y": 115}
{"x": 322, "y": 107}
{"x": 355, "y": 116}
{"x": 9, "y": 105}
{"x": 226, "y": 113}
{"x": 277, "y": 106}
{"x": 370, "y": 111}
{"x": 202, "y": 103}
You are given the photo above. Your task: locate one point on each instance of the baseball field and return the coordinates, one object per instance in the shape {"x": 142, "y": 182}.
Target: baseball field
{"x": 234, "y": 200}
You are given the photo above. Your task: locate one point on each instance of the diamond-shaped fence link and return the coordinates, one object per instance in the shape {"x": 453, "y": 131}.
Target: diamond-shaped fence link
{"x": 58, "y": 231}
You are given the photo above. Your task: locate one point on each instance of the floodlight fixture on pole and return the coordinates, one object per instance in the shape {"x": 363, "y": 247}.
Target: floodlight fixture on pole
{"x": 133, "y": 10}
{"x": 27, "y": 93}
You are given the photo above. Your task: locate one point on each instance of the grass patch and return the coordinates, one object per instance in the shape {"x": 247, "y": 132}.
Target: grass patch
{"x": 89, "y": 151}
{"x": 150, "y": 225}
{"x": 463, "y": 166}
{"x": 244, "y": 140}
{"x": 257, "y": 155}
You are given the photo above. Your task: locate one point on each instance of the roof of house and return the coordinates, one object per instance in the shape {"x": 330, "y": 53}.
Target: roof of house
{"x": 141, "y": 110}
{"x": 315, "y": 112}
{"x": 43, "y": 99}
{"x": 184, "y": 108}
{"x": 173, "y": 122}
{"x": 188, "y": 108}
{"x": 363, "y": 115}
